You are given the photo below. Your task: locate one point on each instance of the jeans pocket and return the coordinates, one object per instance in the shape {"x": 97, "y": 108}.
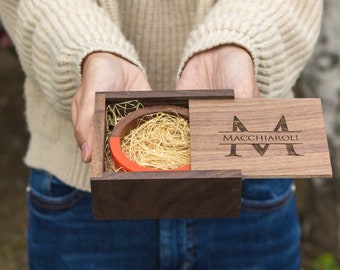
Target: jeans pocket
{"x": 45, "y": 191}
{"x": 266, "y": 195}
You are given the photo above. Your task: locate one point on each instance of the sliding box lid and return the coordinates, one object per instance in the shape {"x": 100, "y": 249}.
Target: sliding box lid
{"x": 264, "y": 138}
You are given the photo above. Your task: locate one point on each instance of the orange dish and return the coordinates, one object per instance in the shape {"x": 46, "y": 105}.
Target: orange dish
{"x": 130, "y": 122}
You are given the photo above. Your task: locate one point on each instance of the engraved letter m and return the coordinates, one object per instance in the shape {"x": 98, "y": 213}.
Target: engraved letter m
{"x": 238, "y": 125}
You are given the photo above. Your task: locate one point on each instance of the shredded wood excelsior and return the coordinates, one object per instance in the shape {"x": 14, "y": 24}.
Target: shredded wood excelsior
{"x": 160, "y": 140}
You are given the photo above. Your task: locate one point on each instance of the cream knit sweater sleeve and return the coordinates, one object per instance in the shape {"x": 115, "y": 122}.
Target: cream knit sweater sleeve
{"x": 53, "y": 37}
{"x": 279, "y": 35}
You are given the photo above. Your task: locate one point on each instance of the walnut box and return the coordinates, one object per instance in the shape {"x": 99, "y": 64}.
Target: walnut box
{"x": 230, "y": 139}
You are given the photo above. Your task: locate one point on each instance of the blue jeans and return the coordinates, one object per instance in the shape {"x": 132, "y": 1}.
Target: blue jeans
{"x": 62, "y": 234}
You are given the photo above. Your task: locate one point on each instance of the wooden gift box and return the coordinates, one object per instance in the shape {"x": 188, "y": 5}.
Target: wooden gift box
{"x": 230, "y": 139}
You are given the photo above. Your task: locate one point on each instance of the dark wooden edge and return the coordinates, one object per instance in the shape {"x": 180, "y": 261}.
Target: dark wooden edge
{"x": 187, "y": 194}
{"x": 97, "y": 163}
{"x": 170, "y": 95}
{"x": 204, "y": 174}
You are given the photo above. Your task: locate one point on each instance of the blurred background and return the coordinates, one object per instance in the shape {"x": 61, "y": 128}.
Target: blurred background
{"x": 318, "y": 199}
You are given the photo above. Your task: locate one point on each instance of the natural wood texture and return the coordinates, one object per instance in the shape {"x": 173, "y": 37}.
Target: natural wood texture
{"x": 168, "y": 97}
{"x": 97, "y": 164}
{"x": 148, "y": 98}
{"x": 187, "y": 194}
{"x": 261, "y": 138}
{"x": 190, "y": 194}
{"x": 264, "y": 138}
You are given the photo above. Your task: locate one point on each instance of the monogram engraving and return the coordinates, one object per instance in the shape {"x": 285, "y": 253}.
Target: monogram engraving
{"x": 261, "y": 140}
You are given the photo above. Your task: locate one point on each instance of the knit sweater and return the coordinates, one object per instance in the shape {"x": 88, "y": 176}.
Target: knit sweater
{"x": 159, "y": 36}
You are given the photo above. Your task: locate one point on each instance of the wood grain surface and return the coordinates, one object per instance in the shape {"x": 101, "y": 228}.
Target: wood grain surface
{"x": 186, "y": 194}
{"x": 97, "y": 163}
{"x": 230, "y": 140}
{"x": 264, "y": 138}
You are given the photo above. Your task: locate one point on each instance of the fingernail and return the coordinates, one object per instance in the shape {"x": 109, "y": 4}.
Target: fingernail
{"x": 85, "y": 152}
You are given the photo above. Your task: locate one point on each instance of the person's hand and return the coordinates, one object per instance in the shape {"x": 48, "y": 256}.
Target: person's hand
{"x": 223, "y": 67}
{"x": 101, "y": 72}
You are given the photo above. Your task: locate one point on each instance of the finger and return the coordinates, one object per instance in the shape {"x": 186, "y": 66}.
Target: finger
{"x": 189, "y": 81}
{"x": 82, "y": 118}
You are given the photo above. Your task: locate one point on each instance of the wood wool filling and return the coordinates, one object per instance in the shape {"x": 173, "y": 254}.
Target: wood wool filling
{"x": 160, "y": 140}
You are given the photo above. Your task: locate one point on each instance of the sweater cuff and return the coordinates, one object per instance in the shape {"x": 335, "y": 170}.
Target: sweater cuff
{"x": 204, "y": 39}
{"x": 279, "y": 36}
{"x": 54, "y": 37}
